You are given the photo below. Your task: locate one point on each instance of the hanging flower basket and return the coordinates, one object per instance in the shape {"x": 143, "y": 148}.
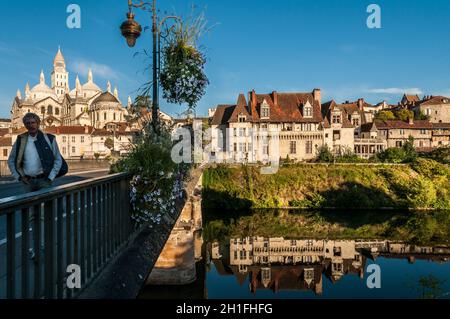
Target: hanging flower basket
{"x": 182, "y": 77}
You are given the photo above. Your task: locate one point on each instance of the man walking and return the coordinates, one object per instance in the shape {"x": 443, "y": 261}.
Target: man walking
{"x": 35, "y": 159}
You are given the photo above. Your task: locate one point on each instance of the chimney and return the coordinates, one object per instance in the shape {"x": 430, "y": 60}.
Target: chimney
{"x": 317, "y": 94}
{"x": 361, "y": 104}
{"x": 253, "y": 99}
{"x": 86, "y": 129}
{"x": 275, "y": 97}
{"x": 410, "y": 121}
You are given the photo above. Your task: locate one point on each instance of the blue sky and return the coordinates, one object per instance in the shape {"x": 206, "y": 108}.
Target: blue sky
{"x": 283, "y": 45}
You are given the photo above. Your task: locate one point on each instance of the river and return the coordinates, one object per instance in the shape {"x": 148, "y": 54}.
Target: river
{"x": 249, "y": 266}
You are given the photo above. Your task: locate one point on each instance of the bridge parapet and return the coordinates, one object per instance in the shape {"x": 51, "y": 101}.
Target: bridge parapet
{"x": 83, "y": 224}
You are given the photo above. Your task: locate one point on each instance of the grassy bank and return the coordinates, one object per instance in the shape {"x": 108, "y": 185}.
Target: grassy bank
{"x": 424, "y": 184}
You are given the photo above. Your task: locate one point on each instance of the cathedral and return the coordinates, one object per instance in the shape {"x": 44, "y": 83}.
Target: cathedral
{"x": 57, "y": 105}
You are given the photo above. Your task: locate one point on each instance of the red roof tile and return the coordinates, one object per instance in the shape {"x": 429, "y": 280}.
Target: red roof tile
{"x": 436, "y": 100}
{"x": 69, "y": 130}
{"x": 4, "y": 131}
{"x": 5, "y": 141}
{"x": 397, "y": 124}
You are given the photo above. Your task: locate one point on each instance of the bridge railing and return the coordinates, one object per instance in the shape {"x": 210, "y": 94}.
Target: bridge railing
{"x": 55, "y": 239}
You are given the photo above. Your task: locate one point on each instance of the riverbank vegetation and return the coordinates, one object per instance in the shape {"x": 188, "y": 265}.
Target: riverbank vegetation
{"x": 408, "y": 202}
{"x": 423, "y": 184}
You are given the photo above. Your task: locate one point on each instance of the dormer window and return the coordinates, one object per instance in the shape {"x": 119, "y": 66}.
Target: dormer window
{"x": 336, "y": 119}
{"x": 265, "y": 111}
{"x": 307, "y": 110}
{"x": 355, "y": 120}
{"x": 241, "y": 118}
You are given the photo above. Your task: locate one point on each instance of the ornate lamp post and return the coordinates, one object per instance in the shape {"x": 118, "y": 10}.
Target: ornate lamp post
{"x": 132, "y": 30}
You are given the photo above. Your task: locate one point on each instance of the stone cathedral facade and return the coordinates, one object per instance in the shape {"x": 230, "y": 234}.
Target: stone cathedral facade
{"x": 59, "y": 105}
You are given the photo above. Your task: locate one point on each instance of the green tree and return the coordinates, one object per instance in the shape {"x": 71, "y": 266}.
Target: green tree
{"x": 392, "y": 155}
{"x": 404, "y": 114}
{"x": 410, "y": 151}
{"x": 109, "y": 143}
{"x": 421, "y": 116}
{"x": 324, "y": 155}
{"x": 385, "y": 115}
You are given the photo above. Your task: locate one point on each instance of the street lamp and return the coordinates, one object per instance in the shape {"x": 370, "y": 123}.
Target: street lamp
{"x": 132, "y": 30}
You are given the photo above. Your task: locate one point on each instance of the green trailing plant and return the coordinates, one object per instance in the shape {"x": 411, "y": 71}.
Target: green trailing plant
{"x": 157, "y": 181}
{"x": 183, "y": 79}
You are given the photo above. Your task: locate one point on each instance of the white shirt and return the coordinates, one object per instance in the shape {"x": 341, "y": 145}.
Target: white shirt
{"x": 31, "y": 162}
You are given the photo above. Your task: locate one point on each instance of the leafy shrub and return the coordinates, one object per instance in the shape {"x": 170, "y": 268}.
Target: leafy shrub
{"x": 421, "y": 193}
{"x": 315, "y": 200}
{"x": 324, "y": 155}
{"x": 430, "y": 168}
{"x": 423, "y": 227}
{"x": 158, "y": 181}
{"x": 392, "y": 155}
{"x": 441, "y": 155}
{"x": 385, "y": 115}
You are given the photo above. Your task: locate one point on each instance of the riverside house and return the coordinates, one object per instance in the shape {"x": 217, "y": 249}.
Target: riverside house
{"x": 266, "y": 125}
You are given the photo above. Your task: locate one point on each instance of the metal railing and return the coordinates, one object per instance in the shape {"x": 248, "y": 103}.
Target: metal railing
{"x": 75, "y": 165}
{"x": 84, "y": 224}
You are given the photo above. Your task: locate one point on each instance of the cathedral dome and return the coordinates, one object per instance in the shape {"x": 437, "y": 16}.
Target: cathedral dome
{"x": 91, "y": 86}
{"x": 42, "y": 90}
{"x": 106, "y": 97}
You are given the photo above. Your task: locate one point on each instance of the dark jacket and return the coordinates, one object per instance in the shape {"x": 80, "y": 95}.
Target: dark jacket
{"x": 48, "y": 151}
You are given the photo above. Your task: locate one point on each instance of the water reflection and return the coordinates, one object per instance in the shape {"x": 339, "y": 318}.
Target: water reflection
{"x": 278, "y": 267}
{"x": 280, "y": 264}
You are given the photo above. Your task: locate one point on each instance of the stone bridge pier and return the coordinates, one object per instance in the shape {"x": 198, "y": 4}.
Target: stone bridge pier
{"x": 176, "y": 263}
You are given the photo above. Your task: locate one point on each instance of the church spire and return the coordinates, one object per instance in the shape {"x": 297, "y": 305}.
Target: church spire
{"x": 108, "y": 87}
{"x": 129, "y": 101}
{"x": 77, "y": 84}
{"x": 90, "y": 76}
{"x": 59, "y": 59}
{"x": 27, "y": 91}
{"x": 116, "y": 92}
{"x": 42, "y": 77}
{"x": 19, "y": 94}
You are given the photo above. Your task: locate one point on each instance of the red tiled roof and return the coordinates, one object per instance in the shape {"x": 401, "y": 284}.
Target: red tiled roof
{"x": 347, "y": 109}
{"x": 222, "y": 114}
{"x": 5, "y": 141}
{"x": 397, "y": 124}
{"x": 103, "y": 132}
{"x": 56, "y": 130}
{"x": 436, "y": 100}
{"x": 289, "y": 107}
{"x": 19, "y": 131}
{"x": 412, "y": 98}
{"x": 441, "y": 125}
{"x": 4, "y": 131}
{"x": 240, "y": 108}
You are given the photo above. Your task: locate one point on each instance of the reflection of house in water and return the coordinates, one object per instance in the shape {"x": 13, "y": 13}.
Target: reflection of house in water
{"x": 282, "y": 264}
{"x": 413, "y": 252}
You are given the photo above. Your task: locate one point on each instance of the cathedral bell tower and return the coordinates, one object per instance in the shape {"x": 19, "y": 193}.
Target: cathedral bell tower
{"x": 60, "y": 77}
